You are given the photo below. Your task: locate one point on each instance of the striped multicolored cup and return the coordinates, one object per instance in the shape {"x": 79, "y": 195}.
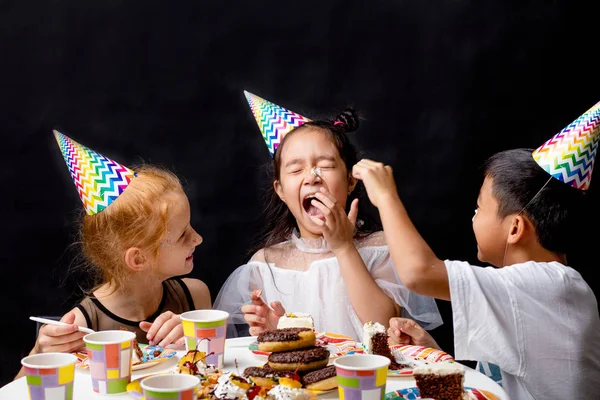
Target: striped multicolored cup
{"x": 50, "y": 376}
{"x": 361, "y": 376}
{"x": 204, "y": 330}
{"x": 178, "y": 387}
{"x": 109, "y": 357}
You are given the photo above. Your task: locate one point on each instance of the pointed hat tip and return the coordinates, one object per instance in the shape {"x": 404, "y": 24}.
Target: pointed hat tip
{"x": 57, "y": 135}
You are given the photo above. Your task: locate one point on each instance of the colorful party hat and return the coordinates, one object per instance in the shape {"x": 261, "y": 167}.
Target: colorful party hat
{"x": 99, "y": 180}
{"x": 273, "y": 121}
{"x": 569, "y": 156}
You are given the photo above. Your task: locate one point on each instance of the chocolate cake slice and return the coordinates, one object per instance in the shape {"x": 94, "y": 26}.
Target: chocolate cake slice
{"x": 441, "y": 381}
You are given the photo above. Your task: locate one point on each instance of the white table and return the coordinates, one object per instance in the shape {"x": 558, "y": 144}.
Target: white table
{"x": 236, "y": 351}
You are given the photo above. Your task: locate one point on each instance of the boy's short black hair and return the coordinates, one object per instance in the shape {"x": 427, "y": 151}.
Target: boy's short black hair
{"x": 516, "y": 179}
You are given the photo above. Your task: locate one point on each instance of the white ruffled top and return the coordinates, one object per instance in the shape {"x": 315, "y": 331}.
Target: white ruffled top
{"x": 304, "y": 275}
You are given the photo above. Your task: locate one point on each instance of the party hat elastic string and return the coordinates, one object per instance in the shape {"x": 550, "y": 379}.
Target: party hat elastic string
{"x": 521, "y": 212}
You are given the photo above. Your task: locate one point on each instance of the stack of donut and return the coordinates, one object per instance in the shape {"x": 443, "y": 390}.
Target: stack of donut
{"x": 294, "y": 352}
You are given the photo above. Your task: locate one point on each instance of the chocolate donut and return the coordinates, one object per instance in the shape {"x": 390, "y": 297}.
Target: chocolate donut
{"x": 286, "y": 339}
{"x": 321, "y": 379}
{"x": 300, "y": 360}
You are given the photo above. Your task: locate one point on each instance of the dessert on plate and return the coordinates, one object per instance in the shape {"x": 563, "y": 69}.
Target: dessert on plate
{"x": 441, "y": 381}
{"x": 286, "y": 339}
{"x": 295, "y": 362}
{"x": 296, "y": 320}
{"x": 375, "y": 341}
{"x": 194, "y": 363}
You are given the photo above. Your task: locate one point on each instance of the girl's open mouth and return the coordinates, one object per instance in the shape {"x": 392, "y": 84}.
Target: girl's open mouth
{"x": 310, "y": 209}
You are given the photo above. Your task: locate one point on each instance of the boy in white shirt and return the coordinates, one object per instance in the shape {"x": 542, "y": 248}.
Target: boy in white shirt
{"x": 533, "y": 316}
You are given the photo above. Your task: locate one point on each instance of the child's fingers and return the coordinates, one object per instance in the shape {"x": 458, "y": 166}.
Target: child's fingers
{"x": 353, "y": 213}
{"x": 61, "y": 330}
{"x": 58, "y": 330}
{"x": 68, "y": 318}
{"x": 412, "y": 329}
{"x": 158, "y": 323}
{"x": 165, "y": 329}
{"x": 248, "y": 308}
{"x": 59, "y": 343}
{"x": 278, "y": 309}
{"x": 330, "y": 202}
{"x": 175, "y": 334}
{"x": 394, "y": 331}
{"x": 416, "y": 333}
{"x": 317, "y": 221}
{"x": 256, "y": 297}
{"x": 405, "y": 339}
{"x": 364, "y": 167}
{"x": 359, "y": 171}
{"x": 329, "y": 215}
{"x": 254, "y": 319}
{"x": 251, "y": 309}
{"x": 326, "y": 198}
{"x": 369, "y": 163}
{"x": 66, "y": 347}
{"x": 145, "y": 326}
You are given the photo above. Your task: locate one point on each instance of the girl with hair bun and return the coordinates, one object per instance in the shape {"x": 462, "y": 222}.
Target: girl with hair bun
{"x": 316, "y": 256}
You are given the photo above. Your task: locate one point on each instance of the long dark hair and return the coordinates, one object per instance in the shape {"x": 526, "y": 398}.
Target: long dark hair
{"x": 279, "y": 221}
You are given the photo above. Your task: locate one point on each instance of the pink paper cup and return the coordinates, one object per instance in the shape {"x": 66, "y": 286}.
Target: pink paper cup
{"x": 176, "y": 387}
{"x": 361, "y": 376}
{"x": 109, "y": 357}
{"x": 50, "y": 376}
{"x": 204, "y": 330}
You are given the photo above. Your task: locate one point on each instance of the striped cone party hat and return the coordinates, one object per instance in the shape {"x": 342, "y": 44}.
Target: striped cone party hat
{"x": 273, "y": 121}
{"x": 570, "y": 154}
{"x": 99, "y": 180}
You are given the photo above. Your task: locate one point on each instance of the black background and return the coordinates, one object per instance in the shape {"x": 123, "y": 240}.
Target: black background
{"x": 441, "y": 84}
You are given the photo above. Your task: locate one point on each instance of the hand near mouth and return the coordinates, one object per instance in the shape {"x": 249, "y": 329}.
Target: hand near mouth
{"x": 338, "y": 228}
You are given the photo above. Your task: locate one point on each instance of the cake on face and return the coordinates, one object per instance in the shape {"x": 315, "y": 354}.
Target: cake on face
{"x": 441, "y": 381}
{"x": 296, "y": 320}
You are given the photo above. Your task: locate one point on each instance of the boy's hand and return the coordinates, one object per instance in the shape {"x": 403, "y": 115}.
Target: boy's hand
{"x": 259, "y": 316}
{"x": 165, "y": 329}
{"x": 62, "y": 339}
{"x": 378, "y": 180}
{"x": 406, "y": 331}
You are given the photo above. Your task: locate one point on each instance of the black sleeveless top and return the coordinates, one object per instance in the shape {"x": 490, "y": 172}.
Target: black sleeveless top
{"x": 176, "y": 298}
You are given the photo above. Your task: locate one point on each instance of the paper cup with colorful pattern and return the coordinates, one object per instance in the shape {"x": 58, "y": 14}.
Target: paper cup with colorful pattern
{"x": 109, "y": 358}
{"x": 179, "y": 387}
{"x": 361, "y": 376}
{"x": 204, "y": 330}
{"x": 50, "y": 376}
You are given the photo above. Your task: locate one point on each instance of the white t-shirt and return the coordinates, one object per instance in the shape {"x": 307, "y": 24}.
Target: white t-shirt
{"x": 305, "y": 276}
{"x": 537, "y": 321}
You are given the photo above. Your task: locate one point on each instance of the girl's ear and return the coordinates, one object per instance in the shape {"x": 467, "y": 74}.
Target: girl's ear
{"x": 135, "y": 259}
{"x": 278, "y": 190}
{"x": 352, "y": 182}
